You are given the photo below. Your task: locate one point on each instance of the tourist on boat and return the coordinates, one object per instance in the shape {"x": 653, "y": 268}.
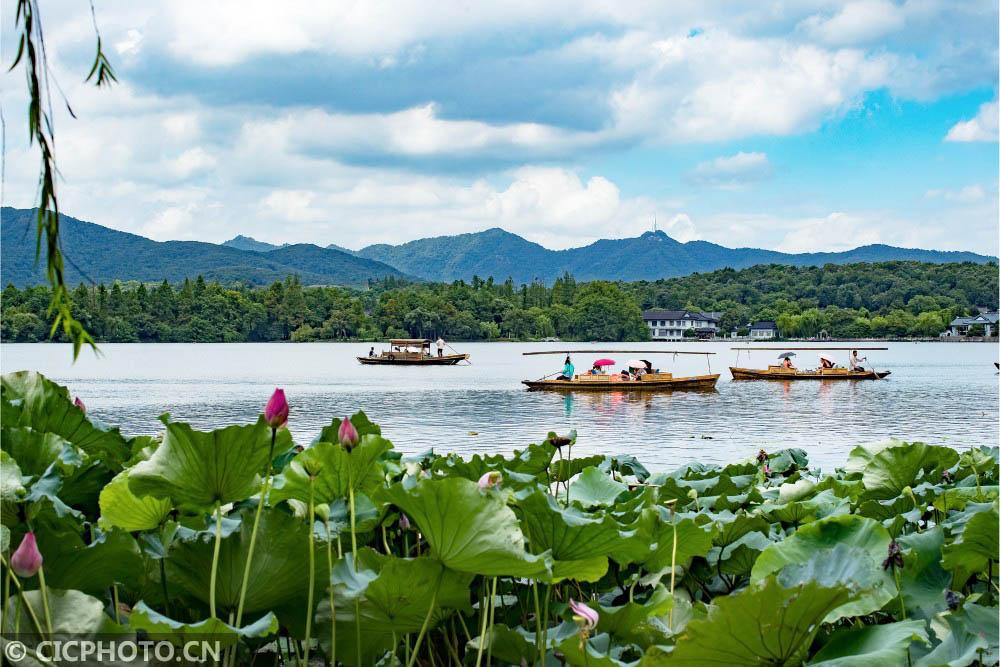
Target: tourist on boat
{"x": 596, "y": 370}
{"x": 568, "y": 370}
{"x": 787, "y": 363}
{"x": 854, "y": 362}
{"x": 371, "y": 352}
{"x": 440, "y": 346}
{"x": 825, "y": 362}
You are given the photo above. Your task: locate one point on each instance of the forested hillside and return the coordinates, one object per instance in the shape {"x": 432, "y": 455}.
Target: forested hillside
{"x": 889, "y": 299}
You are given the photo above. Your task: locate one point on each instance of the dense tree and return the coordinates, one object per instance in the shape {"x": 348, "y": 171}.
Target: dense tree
{"x": 891, "y": 299}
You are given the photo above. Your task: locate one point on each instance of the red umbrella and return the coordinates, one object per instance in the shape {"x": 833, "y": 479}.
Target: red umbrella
{"x": 604, "y": 362}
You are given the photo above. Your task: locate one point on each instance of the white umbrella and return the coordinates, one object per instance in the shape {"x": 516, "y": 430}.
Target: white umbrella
{"x": 636, "y": 363}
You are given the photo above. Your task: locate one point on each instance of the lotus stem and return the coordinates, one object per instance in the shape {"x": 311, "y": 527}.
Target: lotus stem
{"x": 673, "y": 561}
{"x": 163, "y": 584}
{"x": 312, "y": 570}
{"x": 354, "y": 536}
{"x": 423, "y": 628}
{"x": 253, "y": 531}
{"x": 24, "y": 600}
{"x": 333, "y": 609}
{"x": 538, "y": 622}
{"x": 215, "y": 559}
{"x": 114, "y": 600}
{"x": 45, "y": 600}
{"x": 493, "y": 596}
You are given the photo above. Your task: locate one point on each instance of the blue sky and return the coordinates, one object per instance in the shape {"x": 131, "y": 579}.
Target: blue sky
{"x": 799, "y": 125}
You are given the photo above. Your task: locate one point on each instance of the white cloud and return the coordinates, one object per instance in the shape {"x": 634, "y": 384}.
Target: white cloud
{"x": 967, "y": 195}
{"x": 855, "y": 22}
{"x": 983, "y": 127}
{"x": 834, "y": 232}
{"x": 732, "y": 171}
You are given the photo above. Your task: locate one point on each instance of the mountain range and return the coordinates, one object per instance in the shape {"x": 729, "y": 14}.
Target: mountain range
{"x": 108, "y": 254}
{"x": 99, "y": 254}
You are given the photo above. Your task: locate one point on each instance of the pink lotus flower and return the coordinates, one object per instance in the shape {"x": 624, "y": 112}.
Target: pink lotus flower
{"x": 767, "y": 470}
{"x": 78, "y": 403}
{"x": 276, "y": 410}
{"x": 27, "y": 560}
{"x": 490, "y": 480}
{"x": 586, "y": 617}
{"x": 404, "y": 522}
{"x": 347, "y": 434}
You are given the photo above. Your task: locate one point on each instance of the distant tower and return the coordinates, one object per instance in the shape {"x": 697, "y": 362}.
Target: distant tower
{"x": 654, "y": 223}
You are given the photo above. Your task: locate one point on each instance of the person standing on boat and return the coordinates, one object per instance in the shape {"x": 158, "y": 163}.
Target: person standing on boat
{"x": 568, "y": 370}
{"x": 854, "y": 362}
{"x": 440, "y": 346}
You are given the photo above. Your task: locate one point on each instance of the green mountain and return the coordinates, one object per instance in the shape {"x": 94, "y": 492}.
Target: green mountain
{"x": 99, "y": 254}
{"x": 651, "y": 256}
{"x": 241, "y": 242}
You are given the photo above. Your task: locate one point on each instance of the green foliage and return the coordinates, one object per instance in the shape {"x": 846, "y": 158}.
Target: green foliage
{"x": 888, "y": 561}
{"x": 895, "y": 299}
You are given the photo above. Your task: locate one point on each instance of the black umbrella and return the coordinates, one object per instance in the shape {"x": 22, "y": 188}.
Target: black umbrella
{"x": 786, "y": 355}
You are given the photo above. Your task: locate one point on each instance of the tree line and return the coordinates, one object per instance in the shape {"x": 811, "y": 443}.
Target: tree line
{"x": 860, "y": 300}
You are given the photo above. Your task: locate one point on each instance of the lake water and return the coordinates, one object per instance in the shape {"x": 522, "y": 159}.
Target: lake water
{"x": 943, "y": 393}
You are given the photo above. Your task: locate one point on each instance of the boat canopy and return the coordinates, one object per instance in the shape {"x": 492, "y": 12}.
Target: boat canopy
{"x": 597, "y": 351}
{"x": 410, "y": 342}
{"x": 842, "y": 349}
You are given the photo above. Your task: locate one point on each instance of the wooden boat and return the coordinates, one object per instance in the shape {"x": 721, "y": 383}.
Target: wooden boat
{"x": 650, "y": 381}
{"x": 782, "y": 373}
{"x": 411, "y": 352}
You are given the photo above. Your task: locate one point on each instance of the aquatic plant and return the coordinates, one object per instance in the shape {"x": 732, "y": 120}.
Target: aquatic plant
{"x": 346, "y": 551}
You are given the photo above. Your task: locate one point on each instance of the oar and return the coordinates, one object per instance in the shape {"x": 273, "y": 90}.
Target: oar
{"x": 466, "y": 360}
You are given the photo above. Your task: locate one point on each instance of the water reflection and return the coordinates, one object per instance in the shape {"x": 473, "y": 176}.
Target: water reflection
{"x": 937, "y": 393}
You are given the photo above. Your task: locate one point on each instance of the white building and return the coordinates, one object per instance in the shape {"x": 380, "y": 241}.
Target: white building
{"x": 960, "y": 325}
{"x": 671, "y": 324}
{"x": 763, "y": 330}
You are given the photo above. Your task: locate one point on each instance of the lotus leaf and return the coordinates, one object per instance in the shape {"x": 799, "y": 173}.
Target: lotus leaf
{"x": 868, "y": 542}
{"x": 509, "y": 645}
{"x": 336, "y": 471}
{"x": 595, "y": 488}
{"x": 11, "y": 483}
{"x": 29, "y": 399}
{"x": 160, "y": 627}
{"x": 393, "y": 596}
{"x": 121, "y": 508}
{"x": 650, "y": 541}
{"x": 923, "y": 581}
{"x": 870, "y": 646}
{"x": 72, "y": 612}
{"x": 579, "y": 543}
{"x": 111, "y": 556}
{"x": 890, "y": 470}
{"x": 971, "y": 639}
{"x": 641, "y": 623}
{"x": 468, "y": 529}
{"x": 765, "y": 623}
{"x": 976, "y": 544}
{"x": 277, "y": 574}
{"x": 36, "y": 451}
{"x": 197, "y": 470}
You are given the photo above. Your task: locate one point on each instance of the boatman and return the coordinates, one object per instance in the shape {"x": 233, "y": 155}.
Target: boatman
{"x": 854, "y": 362}
{"x": 440, "y": 346}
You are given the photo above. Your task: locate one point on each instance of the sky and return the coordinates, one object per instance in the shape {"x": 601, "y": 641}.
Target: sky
{"x": 797, "y": 125}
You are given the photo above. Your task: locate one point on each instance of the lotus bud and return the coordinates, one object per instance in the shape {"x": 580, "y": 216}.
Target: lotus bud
{"x": 404, "y": 522}
{"x": 490, "y": 480}
{"x": 276, "y": 410}
{"x": 761, "y": 456}
{"x": 585, "y": 616}
{"x": 78, "y": 403}
{"x": 347, "y": 434}
{"x": 767, "y": 470}
{"x": 27, "y": 560}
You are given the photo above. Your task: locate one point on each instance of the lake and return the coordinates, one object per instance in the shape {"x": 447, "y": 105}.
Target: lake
{"x": 943, "y": 393}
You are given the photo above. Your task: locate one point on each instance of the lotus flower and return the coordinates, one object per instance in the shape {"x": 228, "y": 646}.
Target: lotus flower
{"x": 767, "y": 470}
{"x": 276, "y": 410}
{"x": 404, "y": 522}
{"x": 490, "y": 480}
{"x": 585, "y": 616}
{"x": 347, "y": 434}
{"x": 27, "y": 560}
{"x": 761, "y": 456}
{"x": 78, "y": 403}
